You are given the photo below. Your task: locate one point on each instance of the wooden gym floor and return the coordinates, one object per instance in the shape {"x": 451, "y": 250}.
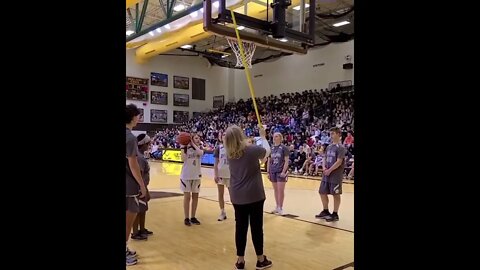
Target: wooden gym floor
{"x": 297, "y": 241}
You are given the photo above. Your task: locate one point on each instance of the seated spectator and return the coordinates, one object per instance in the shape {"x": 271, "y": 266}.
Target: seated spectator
{"x": 300, "y": 159}
{"x": 318, "y": 148}
{"x": 325, "y": 139}
{"x": 348, "y": 140}
{"x": 350, "y": 174}
{"x": 316, "y": 164}
{"x": 292, "y": 156}
{"x": 308, "y": 160}
{"x": 310, "y": 141}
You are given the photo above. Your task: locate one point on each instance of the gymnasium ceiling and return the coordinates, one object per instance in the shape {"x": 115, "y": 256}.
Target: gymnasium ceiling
{"x": 328, "y": 13}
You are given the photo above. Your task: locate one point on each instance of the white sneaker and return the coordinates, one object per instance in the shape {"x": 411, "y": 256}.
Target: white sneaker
{"x": 274, "y": 211}
{"x": 280, "y": 211}
{"x": 222, "y": 216}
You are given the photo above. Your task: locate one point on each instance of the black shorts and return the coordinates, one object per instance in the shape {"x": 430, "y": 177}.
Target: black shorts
{"x": 142, "y": 205}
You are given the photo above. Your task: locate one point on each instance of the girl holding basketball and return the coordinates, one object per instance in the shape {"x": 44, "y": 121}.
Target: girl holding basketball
{"x": 277, "y": 168}
{"x": 221, "y": 174}
{"x": 190, "y": 176}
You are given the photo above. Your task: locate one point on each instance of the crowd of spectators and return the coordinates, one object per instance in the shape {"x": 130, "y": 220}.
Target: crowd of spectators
{"x": 303, "y": 118}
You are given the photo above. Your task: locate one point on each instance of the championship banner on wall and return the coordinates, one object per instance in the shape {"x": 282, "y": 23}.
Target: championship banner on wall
{"x": 137, "y": 89}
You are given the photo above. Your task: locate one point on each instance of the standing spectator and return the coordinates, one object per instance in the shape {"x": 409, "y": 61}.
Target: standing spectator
{"x": 300, "y": 160}
{"x": 135, "y": 186}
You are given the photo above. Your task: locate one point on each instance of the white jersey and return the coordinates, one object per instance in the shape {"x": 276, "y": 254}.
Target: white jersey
{"x": 223, "y": 167}
{"x": 191, "y": 166}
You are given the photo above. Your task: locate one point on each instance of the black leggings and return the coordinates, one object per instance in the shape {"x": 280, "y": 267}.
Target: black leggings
{"x": 243, "y": 212}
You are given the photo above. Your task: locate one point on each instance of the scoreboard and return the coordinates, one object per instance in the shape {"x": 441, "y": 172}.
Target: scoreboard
{"x": 137, "y": 89}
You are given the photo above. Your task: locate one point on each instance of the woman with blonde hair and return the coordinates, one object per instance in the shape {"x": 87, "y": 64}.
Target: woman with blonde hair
{"x": 277, "y": 169}
{"x": 247, "y": 193}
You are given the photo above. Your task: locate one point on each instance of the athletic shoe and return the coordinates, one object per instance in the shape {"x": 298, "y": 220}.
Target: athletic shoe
{"x": 131, "y": 261}
{"x": 332, "y": 217}
{"x": 138, "y": 236}
{"x": 323, "y": 215}
{"x": 222, "y": 216}
{"x": 147, "y": 232}
{"x": 239, "y": 265}
{"x": 187, "y": 222}
{"x": 194, "y": 221}
{"x": 265, "y": 264}
{"x": 131, "y": 253}
{"x": 274, "y": 211}
{"x": 280, "y": 212}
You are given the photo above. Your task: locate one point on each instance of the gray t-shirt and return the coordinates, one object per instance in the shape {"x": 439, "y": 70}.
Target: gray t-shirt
{"x": 132, "y": 187}
{"x": 333, "y": 153}
{"x": 246, "y": 185}
{"x": 144, "y": 168}
{"x": 277, "y": 158}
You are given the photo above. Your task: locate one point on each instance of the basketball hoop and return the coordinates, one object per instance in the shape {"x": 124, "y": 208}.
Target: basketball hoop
{"x": 248, "y": 48}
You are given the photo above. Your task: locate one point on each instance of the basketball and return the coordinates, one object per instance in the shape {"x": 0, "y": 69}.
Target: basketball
{"x": 183, "y": 138}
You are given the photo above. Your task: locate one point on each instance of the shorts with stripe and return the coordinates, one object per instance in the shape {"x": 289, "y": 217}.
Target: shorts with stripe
{"x": 190, "y": 185}
{"x": 143, "y": 203}
{"x": 132, "y": 204}
{"x": 330, "y": 188}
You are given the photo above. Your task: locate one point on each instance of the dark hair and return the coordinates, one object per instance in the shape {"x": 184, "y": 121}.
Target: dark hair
{"x": 131, "y": 111}
{"x": 141, "y": 136}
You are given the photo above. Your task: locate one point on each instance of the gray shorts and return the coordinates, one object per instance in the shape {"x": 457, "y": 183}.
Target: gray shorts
{"x": 132, "y": 204}
{"x": 275, "y": 177}
{"x": 330, "y": 188}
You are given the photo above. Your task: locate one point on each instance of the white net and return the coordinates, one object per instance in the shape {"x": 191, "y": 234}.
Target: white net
{"x": 248, "y": 50}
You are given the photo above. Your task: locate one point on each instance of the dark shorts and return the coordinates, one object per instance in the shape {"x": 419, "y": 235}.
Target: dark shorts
{"x": 132, "y": 204}
{"x": 143, "y": 202}
{"x": 330, "y": 188}
{"x": 142, "y": 205}
{"x": 275, "y": 177}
